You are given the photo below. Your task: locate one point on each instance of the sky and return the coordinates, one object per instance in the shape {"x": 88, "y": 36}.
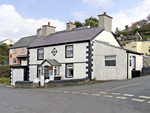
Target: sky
{"x": 20, "y": 18}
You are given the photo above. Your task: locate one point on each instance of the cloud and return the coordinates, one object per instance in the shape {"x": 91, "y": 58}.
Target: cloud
{"x": 14, "y": 26}
{"x": 78, "y": 15}
{"x": 126, "y": 17}
{"x": 97, "y": 3}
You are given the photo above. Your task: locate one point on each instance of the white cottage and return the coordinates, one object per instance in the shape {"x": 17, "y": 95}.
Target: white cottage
{"x": 77, "y": 53}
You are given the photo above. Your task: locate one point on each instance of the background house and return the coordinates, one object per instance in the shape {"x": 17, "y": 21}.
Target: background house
{"x": 18, "y": 52}
{"x": 7, "y": 41}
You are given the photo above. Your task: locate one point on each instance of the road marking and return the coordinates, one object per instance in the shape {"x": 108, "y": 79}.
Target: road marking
{"x": 115, "y": 93}
{"x": 66, "y": 91}
{"x": 52, "y": 90}
{"x": 123, "y": 86}
{"x": 104, "y": 92}
{"x": 85, "y": 93}
{"x": 129, "y": 95}
{"x": 148, "y": 102}
{"x": 122, "y": 97}
{"x": 139, "y": 100}
{"x": 144, "y": 97}
{"x": 59, "y": 91}
{"x": 96, "y": 94}
{"x": 75, "y": 92}
{"x": 108, "y": 96}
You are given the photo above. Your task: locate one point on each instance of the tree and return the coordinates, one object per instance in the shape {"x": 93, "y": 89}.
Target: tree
{"x": 141, "y": 22}
{"x": 148, "y": 17}
{"x": 93, "y": 22}
{"x": 78, "y": 24}
{"x": 134, "y": 25}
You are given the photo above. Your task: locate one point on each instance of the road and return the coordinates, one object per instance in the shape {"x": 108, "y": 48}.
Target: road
{"x": 126, "y": 96}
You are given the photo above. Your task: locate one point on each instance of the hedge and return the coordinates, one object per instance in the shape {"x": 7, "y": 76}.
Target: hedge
{"x": 4, "y": 71}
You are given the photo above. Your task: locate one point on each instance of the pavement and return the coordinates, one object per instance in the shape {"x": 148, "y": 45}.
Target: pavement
{"x": 126, "y": 96}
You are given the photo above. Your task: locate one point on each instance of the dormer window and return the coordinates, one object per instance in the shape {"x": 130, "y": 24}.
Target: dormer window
{"x": 69, "y": 51}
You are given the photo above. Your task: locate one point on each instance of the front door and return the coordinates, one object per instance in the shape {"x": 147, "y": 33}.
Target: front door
{"x": 46, "y": 72}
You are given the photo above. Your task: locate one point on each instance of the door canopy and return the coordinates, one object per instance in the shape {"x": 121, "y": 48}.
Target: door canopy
{"x": 51, "y": 62}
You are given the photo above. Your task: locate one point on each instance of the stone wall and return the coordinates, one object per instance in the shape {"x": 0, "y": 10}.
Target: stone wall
{"x": 146, "y": 61}
{"x": 57, "y": 83}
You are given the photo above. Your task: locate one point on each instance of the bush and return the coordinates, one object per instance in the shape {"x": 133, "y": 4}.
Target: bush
{"x": 4, "y": 71}
{"x": 5, "y": 80}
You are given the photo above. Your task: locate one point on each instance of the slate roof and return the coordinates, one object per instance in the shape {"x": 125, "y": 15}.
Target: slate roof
{"x": 52, "y": 62}
{"x": 24, "y": 42}
{"x": 67, "y": 37}
{"x": 83, "y": 27}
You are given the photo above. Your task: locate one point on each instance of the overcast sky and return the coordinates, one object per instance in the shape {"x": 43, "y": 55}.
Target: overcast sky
{"x": 19, "y": 18}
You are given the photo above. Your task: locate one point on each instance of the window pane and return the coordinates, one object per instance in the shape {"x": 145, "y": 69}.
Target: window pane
{"x": 69, "y": 51}
{"x": 69, "y": 70}
{"x": 110, "y": 57}
{"x": 110, "y": 62}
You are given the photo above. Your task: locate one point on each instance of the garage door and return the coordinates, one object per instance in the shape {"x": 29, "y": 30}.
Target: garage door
{"x": 17, "y": 75}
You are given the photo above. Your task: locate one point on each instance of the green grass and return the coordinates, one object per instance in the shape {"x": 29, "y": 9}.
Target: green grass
{"x": 5, "y": 81}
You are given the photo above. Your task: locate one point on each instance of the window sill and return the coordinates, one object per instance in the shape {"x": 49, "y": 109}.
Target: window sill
{"x": 69, "y": 77}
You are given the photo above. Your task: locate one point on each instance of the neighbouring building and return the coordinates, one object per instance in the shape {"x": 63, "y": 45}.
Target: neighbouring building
{"x": 7, "y": 41}
{"x": 77, "y": 53}
{"x": 139, "y": 46}
{"x": 18, "y": 52}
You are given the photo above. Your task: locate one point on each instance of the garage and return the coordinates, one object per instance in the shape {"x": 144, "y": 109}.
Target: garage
{"x": 18, "y": 73}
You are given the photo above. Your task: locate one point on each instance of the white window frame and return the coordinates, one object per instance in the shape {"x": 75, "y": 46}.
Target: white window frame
{"x": 22, "y": 50}
{"x": 38, "y": 52}
{"x": 69, "y": 68}
{"x": 109, "y": 59}
{"x": 13, "y": 61}
{"x": 14, "y": 51}
{"x": 69, "y": 49}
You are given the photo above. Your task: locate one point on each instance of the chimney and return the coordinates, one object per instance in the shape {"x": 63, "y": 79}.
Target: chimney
{"x": 105, "y": 22}
{"x": 47, "y": 30}
{"x": 70, "y": 26}
{"x": 39, "y": 32}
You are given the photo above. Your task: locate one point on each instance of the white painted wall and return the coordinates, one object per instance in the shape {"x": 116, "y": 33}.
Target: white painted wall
{"x": 106, "y": 36}
{"x": 100, "y": 72}
{"x": 139, "y": 64}
{"x": 79, "y": 55}
{"x": 23, "y": 63}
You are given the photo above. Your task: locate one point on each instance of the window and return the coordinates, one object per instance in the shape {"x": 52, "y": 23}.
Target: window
{"x": 11, "y": 51}
{"x": 69, "y": 51}
{"x": 40, "y": 54}
{"x": 130, "y": 61}
{"x": 56, "y": 70}
{"x": 69, "y": 70}
{"x": 14, "y": 51}
{"x": 22, "y": 50}
{"x": 110, "y": 60}
{"x": 149, "y": 49}
{"x": 14, "y": 61}
{"x": 38, "y": 71}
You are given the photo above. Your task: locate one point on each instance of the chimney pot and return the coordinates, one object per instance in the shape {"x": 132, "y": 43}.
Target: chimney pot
{"x": 48, "y": 23}
{"x": 40, "y": 27}
{"x": 104, "y": 13}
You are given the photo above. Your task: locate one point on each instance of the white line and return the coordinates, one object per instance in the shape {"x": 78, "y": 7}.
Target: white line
{"x": 122, "y": 97}
{"x": 66, "y": 91}
{"x": 129, "y": 95}
{"x": 123, "y": 86}
{"x": 148, "y": 102}
{"x": 104, "y": 92}
{"x": 108, "y": 96}
{"x": 85, "y": 93}
{"x": 144, "y": 97}
{"x": 75, "y": 92}
{"x": 139, "y": 100}
{"x": 115, "y": 93}
{"x": 96, "y": 94}
{"x": 52, "y": 90}
{"x": 59, "y": 91}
